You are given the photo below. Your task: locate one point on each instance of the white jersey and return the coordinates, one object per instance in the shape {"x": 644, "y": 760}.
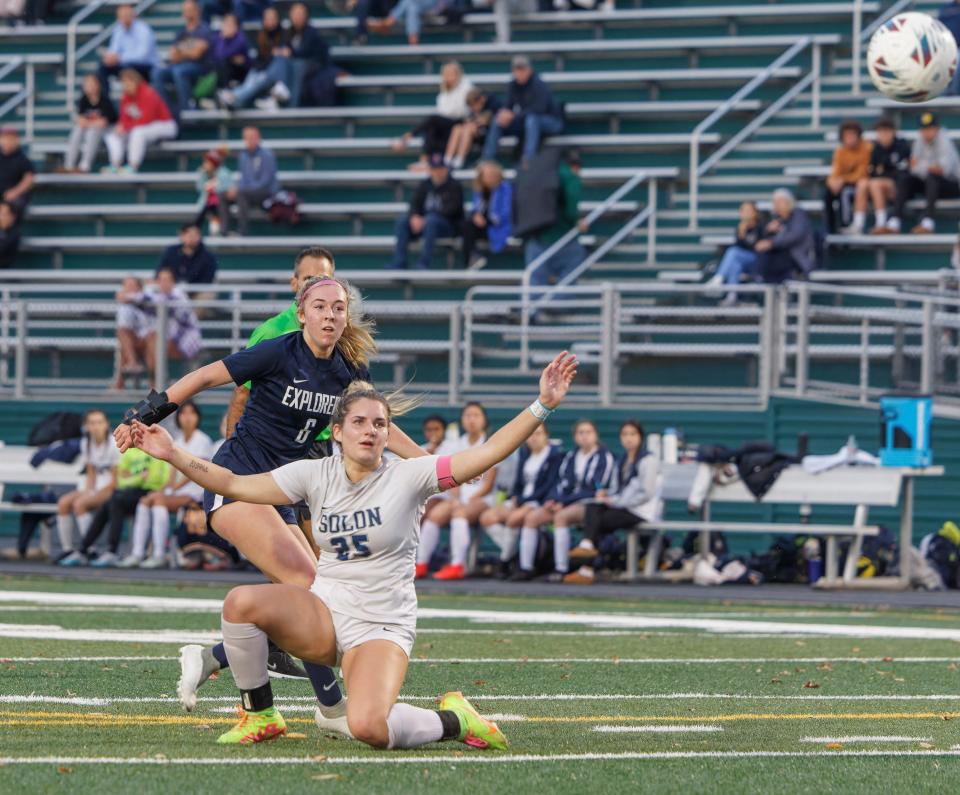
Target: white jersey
{"x": 201, "y": 446}
{"x": 367, "y": 532}
{"x": 102, "y": 457}
{"x": 467, "y": 490}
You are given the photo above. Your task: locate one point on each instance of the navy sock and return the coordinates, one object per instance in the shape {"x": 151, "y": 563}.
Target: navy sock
{"x": 324, "y": 682}
{"x": 221, "y": 656}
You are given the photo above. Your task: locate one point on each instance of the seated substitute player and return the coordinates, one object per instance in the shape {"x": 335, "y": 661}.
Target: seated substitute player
{"x": 361, "y": 611}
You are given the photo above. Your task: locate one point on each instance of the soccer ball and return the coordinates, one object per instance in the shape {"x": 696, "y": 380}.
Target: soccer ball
{"x": 912, "y": 57}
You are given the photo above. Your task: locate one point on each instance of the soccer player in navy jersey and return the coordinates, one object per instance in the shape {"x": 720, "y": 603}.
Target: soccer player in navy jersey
{"x": 296, "y": 382}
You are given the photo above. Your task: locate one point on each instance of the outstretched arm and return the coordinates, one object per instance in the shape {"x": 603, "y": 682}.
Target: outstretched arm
{"x": 402, "y": 445}
{"x": 554, "y": 383}
{"x": 261, "y": 489}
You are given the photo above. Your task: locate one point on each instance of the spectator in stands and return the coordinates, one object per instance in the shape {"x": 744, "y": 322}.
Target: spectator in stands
{"x": 152, "y": 518}
{"x": 850, "y": 161}
{"x": 16, "y": 171}
{"x": 934, "y": 172}
{"x": 564, "y": 261}
{"x": 451, "y": 109}
{"x": 949, "y": 15}
{"x": 889, "y": 163}
{"x": 537, "y": 473}
{"x": 301, "y": 54}
{"x": 530, "y": 111}
{"x": 436, "y": 210}
{"x": 434, "y": 433}
{"x": 144, "y": 120}
{"x": 242, "y": 10}
{"x": 583, "y": 472}
{"x": 132, "y": 46}
{"x": 632, "y": 499}
{"x": 490, "y": 217}
{"x": 99, "y": 457}
{"x": 189, "y": 260}
{"x": 188, "y": 61}
{"x": 9, "y": 235}
{"x": 95, "y": 113}
{"x": 788, "y": 246}
{"x": 230, "y": 52}
{"x": 366, "y": 11}
{"x": 258, "y": 79}
{"x": 137, "y": 324}
{"x": 258, "y": 178}
{"x": 473, "y": 129}
{"x": 137, "y": 475}
{"x": 411, "y": 12}
{"x": 740, "y": 259}
{"x": 214, "y": 182}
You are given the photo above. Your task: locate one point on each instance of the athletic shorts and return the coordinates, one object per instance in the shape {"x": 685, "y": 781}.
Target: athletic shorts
{"x": 227, "y": 457}
{"x": 351, "y": 632}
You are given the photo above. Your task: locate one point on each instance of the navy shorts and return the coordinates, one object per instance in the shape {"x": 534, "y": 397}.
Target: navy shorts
{"x": 240, "y": 465}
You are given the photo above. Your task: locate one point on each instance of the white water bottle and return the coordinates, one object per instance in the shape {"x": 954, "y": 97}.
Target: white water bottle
{"x": 671, "y": 446}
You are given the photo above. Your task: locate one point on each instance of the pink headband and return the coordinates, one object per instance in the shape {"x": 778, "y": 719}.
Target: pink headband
{"x": 319, "y": 283}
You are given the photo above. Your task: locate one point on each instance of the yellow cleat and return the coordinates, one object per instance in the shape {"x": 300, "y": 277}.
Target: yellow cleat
{"x": 254, "y": 727}
{"x": 475, "y": 730}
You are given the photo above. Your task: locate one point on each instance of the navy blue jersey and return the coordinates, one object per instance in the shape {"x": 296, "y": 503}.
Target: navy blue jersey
{"x": 292, "y": 398}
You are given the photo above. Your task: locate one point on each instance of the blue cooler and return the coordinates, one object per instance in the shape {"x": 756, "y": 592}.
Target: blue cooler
{"x": 905, "y": 430}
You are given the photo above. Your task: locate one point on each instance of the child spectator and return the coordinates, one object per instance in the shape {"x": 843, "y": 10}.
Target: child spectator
{"x": 850, "y": 162}
{"x": 633, "y": 498}
{"x": 490, "y": 217}
{"x": 230, "y": 55}
{"x": 16, "y": 172}
{"x": 137, "y": 475}
{"x": 740, "y": 259}
{"x": 889, "y": 163}
{"x": 9, "y": 235}
{"x": 583, "y": 472}
{"x": 99, "y": 457}
{"x": 214, "y": 182}
{"x": 95, "y": 113}
{"x": 258, "y": 79}
{"x": 483, "y": 107}
{"x": 189, "y": 60}
{"x": 537, "y": 472}
{"x": 144, "y": 120}
{"x": 451, "y": 109}
{"x": 934, "y": 172}
{"x": 132, "y": 46}
{"x": 436, "y": 210}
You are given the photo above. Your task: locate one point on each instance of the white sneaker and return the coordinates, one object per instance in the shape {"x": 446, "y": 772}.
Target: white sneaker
{"x": 226, "y": 97}
{"x": 213, "y": 228}
{"x": 197, "y": 665}
{"x": 730, "y": 299}
{"x": 75, "y": 558}
{"x": 714, "y": 285}
{"x": 131, "y": 561}
{"x": 853, "y": 229}
{"x": 333, "y": 719}
{"x": 280, "y": 92}
{"x": 107, "y": 560}
{"x": 154, "y": 563}
{"x": 267, "y": 103}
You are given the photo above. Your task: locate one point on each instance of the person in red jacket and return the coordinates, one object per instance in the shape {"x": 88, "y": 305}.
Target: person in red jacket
{"x": 144, "y": 119}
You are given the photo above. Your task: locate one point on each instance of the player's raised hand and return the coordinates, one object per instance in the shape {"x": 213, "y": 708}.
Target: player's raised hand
{"x": 556, "y": 378}
{"x": 152, "y": 439}
{"x": 121, "y": 435}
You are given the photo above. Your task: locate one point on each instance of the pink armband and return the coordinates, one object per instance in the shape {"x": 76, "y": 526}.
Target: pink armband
{"x": 444, "y": 474}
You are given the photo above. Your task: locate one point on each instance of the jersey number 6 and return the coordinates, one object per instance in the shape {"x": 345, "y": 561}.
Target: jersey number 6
{"x": 305, "y": 431}
{"x": 360, "y": 548}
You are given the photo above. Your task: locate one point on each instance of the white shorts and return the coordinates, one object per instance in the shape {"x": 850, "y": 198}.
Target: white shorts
{"x": 351, "y": 632}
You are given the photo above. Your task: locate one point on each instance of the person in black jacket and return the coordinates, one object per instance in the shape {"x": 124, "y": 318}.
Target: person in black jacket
{"x": 302, "y": 53}
{"x": 530, "y": 111}
{"x": 96, "y": 113}
{"x": 9, "y": 235}
{"x": 436, "y": 210}
{"x": 190, "y": 260}
{"x": 889, "y": 164}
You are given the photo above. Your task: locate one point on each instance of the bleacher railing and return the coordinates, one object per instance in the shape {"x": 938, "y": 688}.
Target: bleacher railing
{"x": 26, "y": 95}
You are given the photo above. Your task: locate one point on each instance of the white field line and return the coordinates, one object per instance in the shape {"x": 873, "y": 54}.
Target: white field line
{"x": 121, "y": 658}
{"x": 449, "y": 759}
{"x": 696, "y": 727}
{"x": 306, "y": 703}
{"x": 599, "y": 620}
{"x": 863, "y": 738}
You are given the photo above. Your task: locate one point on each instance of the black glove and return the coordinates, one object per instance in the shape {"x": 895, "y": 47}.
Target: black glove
{"x": 155, "y": 408}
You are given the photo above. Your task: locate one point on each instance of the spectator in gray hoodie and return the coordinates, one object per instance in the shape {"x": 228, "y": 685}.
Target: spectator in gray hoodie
{"x": 258, "y": 178}
{"x": 934, "y": 172}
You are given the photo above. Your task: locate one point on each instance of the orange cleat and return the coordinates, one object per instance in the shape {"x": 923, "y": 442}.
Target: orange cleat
{"x": 452, "y": 571}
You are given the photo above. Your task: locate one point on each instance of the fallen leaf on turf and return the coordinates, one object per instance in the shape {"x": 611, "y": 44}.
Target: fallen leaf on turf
{"x": 64, "y": 769}
{"x": 105, "y": 668}
{"x": 295, "y": 736}
{"x": 825, "y": 667}
{"x": 834, "y": 746}
{"x": 160, "y": 756}
{"x": 502, "y": 640}
{"x": 204, "y": 726}
{"x": 812, "y": 685}
{"x": 421, "y": 655}
{"x": 426, "y": 645}
{"x": 328, "y": 777}
{"x": 458, "y": 753}
{"x": 164, "y": 695}
{"x": 800, "y": 643}
{"x": 800, "y": 670}
{"x": 888, "y": 659}
{"x": 899, "y": 679}
{"x": 946, "y": 717}
{"x": 564, "y": 676}
{"x": 479, "y": 682}
{"x": 953, "y": 667}
{"x": 318, "y": 758}
{"x": 927, "y": 745}
{"x": 776, "y": 680}
{"x": 855, "y": 648}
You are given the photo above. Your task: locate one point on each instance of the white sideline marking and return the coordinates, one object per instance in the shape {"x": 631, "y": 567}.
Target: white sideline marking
{"x": 450, "y": 759}
{"x": 696, "y": 727}
{"x": 55, "y": 632}
{"x": 503, "y": 717}
{"x": 600, "y": 620}
{"x": 84, "y": 659}
{"x": 866, "y": 739}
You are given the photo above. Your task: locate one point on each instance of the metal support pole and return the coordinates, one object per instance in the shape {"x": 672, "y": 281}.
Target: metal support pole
{"x": 767, "y": 347}
{"x": 803, "y": 338}
{"x": 468, "y": 346}
{"x": 652, "y": 222}
{"x": 20, "y": 368}
{"x": 864, "y": 360}
{"x": 927, "y": 349}
{"x": 160, "y": 342}
{"x": 31, "y": 100}
{"x": 906, "y": 530}
{"x": 856, "y": 37}
{"x": 607, "y": 344}
{"x": 693, "y": 178}
{"x": 817, "y": 68}
{"x": 453, "y": 387}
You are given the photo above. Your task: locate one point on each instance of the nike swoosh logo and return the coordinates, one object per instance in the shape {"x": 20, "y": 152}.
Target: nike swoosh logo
{"x": 330, "y": 686}
{"x": 300, "y": 381}
{"x": 387, "y": 629}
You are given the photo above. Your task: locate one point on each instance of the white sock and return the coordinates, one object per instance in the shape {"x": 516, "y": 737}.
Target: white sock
{"x": 586, "y": 543}
{"x": 65, "y": 531}
{"x": 859, "y": 219}
{"x": 410, "y": 727}
{"x": 561, "y": 548}
{"x": 505, "y": 538}
{"x": 528, "y": 547}
{"x": 459, "y": 540}
{"x": 894, "y": 224}
{"x": 429, "y": 538}
{"x": 141, "y": 530}
{"x": 881, "y": 217}
{"x": 161, "y": 529}
{"x": 246, "y": 649}
{"x": 927, "y": 223}
{"x": 84, "y": 521}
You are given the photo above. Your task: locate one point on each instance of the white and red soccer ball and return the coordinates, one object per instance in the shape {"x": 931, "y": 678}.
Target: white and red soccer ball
{"x": 912, "y": 57}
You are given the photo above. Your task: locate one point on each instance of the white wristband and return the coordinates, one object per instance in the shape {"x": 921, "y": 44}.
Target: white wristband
{"x": 538, "y": 410}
